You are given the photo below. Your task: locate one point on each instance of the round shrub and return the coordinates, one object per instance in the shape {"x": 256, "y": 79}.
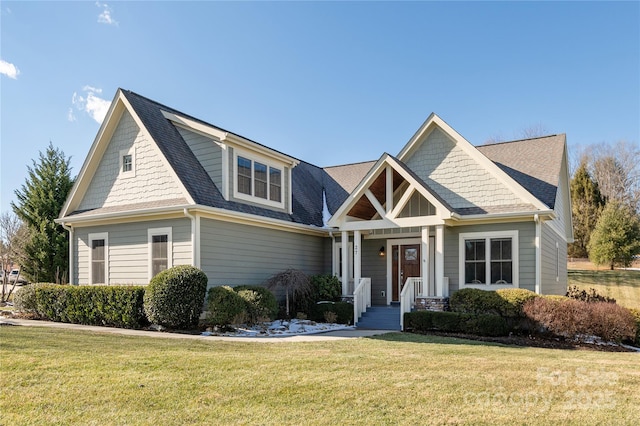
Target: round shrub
{"x": 326, "y": 288}
{"x": 478, "y": 302}
{"x": 515, "y": 298}
{"x": 225, "y": 307}
{"x": 174, "y": 297}
{"x": 261, "y": 302}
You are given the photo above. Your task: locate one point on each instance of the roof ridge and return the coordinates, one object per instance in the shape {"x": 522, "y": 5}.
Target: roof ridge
{"x": 348, "y": 164}
{"x": 520, "y": 140}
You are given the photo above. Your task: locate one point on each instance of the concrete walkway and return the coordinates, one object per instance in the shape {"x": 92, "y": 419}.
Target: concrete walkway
{"x": 319, "y": 337}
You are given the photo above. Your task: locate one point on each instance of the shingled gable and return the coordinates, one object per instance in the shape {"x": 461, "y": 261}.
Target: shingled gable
{"x": 307, "y": 179}
{"x": 528, "y": 201}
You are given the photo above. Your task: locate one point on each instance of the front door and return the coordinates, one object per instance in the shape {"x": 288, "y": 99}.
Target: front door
{"x": 405, "y": 263}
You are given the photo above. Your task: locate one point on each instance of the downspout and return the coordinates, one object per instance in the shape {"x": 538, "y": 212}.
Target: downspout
{"x": 538, "y": 243}
{"x": 71, "y": 245}
{"x": 195, "y": 261}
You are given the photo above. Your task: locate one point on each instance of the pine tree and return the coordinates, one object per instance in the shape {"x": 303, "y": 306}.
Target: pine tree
{"x": 586, "y": 205}
{"x": 39, "y": 202}
{"x": 616, "y": 238}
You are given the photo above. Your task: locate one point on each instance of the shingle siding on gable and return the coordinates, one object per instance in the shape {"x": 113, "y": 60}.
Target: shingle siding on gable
{"x": 455, "y": 176}
{"x": 152, "y": 181}
{"x": 560, "y": 206}
{"x": 207, "y": 152}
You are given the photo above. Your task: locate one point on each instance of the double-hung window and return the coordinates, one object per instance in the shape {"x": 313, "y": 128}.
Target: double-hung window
{"x": 128, "y": 162}
{"x": 489, "y": 260}
{"x": 258, "y": 181}
{"x": 160, "y": 250}
{"x": 99, "y": 255}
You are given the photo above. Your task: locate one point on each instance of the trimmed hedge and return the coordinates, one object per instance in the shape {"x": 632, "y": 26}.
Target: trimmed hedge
{"x": 24, "y": 299}
{"x": 115, "y": 306}
{"x": 579, "y": 320}
{"x": 344, "y": 311}
{"x": 455, "y": 322}
{"x": 174, "y": 298}
{"x": 636, "y": 317}
{"x": 478, "y": 302}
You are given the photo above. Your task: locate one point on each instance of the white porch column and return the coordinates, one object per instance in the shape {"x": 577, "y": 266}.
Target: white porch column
{"x": 426, "y": 285}
{"x": 439, "y": 266}
{"x": 357, "y": 258}
{"x": 344, "y": 242}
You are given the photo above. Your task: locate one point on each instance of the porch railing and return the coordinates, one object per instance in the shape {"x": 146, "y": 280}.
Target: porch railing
{"x": 413, "y": 287}
{"x": 361, "y": 298}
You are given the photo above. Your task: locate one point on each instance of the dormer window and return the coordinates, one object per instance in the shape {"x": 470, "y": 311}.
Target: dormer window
{"x": 258, "y": 181}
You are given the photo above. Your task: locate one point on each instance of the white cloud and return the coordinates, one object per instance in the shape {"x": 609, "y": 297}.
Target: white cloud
{"x": 9, "y": 69}
{"x": 90, "y": 103}
{"x": 105, "y": 16}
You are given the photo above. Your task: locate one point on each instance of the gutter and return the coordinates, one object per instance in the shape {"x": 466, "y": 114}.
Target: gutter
{"x": 195, "y": 259}
{"x": 179, "y": 209}
{"x": 535, "y": 215}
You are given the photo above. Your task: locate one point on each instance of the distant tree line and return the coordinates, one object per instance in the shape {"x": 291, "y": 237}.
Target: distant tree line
{"x": 605, "y": 198}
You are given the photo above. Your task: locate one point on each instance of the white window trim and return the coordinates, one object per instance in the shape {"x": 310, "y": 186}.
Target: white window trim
{"x": 515, "y": 250}
{"x": 151, "y": 232}
{"x": 99, "y": 236}
{"x": 131, "y": 173}
{"x": 262, "y": 160}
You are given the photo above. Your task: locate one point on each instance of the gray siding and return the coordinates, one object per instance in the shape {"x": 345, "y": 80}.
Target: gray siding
{"x": 553, "y": 262}
{"x": 128, "y": 251}
{"x": 527, "y": 254}
{"x": 234, "y": 254}
{"x": 375, "y": 267}
{"x": 207, "y": 151}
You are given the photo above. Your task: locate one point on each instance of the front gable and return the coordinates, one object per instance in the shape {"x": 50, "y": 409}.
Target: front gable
{"x": 390, "y": 196}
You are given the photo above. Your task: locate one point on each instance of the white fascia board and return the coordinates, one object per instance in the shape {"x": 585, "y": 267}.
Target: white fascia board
{"x": 92, "y": 159}
{"x": 197, "y": 127}
{"x": 459, "y": 220}
{"x": 434, "y": 121}
{"x": 263, "y": 150}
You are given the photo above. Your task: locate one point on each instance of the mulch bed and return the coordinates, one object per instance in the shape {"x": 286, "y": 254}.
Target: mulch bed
{"x": 538, "y": 342}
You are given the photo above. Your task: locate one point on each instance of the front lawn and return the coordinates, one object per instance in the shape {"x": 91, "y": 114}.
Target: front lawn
{"x": 68, "y": 377}
{"x": 622, "y": 285}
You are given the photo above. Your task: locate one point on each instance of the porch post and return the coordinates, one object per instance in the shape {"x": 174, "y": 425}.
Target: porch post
{"x": 439, "y": 266}
{"x": 426, "y": 285}
{"x": 357, "y": 258}
{"x": 344, "y": 241}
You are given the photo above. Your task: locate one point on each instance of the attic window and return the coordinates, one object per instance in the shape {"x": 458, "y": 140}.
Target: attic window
{"x": 127, "y": 162}
{"x": 258, "y": 181}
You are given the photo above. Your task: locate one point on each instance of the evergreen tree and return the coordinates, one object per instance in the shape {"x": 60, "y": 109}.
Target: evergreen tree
{"x": 586, "y": 205}
{"x": 616, "y": 238}
{"x": 40, "y": 201}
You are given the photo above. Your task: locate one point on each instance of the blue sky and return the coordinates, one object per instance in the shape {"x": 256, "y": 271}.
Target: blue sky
{"x": 326, "y": 82}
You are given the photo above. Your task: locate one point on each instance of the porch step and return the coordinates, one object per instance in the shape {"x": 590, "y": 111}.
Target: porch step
{"x": 381, "y": 318}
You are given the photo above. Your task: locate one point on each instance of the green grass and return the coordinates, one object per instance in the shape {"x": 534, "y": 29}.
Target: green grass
{"x": 68, "y": 377}
{"x": 624, "y": 286}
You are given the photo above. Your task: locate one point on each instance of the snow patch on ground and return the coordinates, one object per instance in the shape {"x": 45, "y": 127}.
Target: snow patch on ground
{"x": 281, "y": 328}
